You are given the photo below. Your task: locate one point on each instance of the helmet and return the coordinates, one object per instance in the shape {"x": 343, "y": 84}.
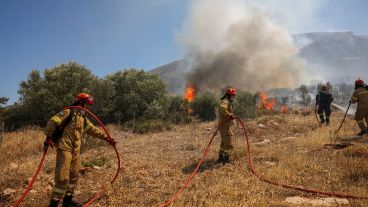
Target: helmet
{"x": 359, "y": 82}
{"x": 85, "y": 98}
{"x": 231, "y": 91}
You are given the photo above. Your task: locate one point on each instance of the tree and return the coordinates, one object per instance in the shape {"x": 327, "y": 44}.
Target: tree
{"x": 304, "y": 95}
{"x": 245, "y": 105}
{"x": 3, "y": 101}
{"x": 138, "y": 94}
{"x": 41, "y": 97}
{"x": 104, "y": 94}
{"x": 176, "y": 111}
{"x": 204, "y": 106}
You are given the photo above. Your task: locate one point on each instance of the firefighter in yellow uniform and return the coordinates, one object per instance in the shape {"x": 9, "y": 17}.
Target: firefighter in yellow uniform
{"x": 360, "y": 96}
{"x": 226, "y": 115}
{"x": 68, "y": 148}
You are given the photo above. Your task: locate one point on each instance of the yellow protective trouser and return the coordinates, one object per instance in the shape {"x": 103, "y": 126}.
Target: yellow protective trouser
{"x": 226, "y": 137}
{"x": 66, "y": 173}
{"x": 360, "y": 115}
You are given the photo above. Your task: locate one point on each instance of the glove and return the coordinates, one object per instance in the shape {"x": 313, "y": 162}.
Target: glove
{"x": 48, "y": 143}
{"x": 111, "y": 141}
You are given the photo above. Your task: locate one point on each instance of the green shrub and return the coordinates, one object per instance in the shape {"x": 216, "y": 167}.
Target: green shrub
{"x": 99, "y": 161}
{"x": 91, "y": 143}
{"x": 145, "y": 126}
{"x": 204, "y": 106}
{"x": 245, "y": 105}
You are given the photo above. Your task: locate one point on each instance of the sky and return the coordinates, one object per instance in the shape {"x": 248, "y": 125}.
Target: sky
{"x": 111, "y": 35}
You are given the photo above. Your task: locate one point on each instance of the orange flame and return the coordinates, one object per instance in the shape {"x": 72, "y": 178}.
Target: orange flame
{"x": 190, "y": 93}
{"x": 283, "y": 108}
{"x": 189, "y": 96}
{"x": 190, "y": 110}
{"x": 267, "y": 103}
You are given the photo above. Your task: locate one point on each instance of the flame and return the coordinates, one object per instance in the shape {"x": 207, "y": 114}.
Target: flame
{"x": 190, "y": 93}
{"x": 283, "y": 108}
{"x": 190, "y": 110}
{"x": 189, "y": 96}
{"x": 266, "y": 103}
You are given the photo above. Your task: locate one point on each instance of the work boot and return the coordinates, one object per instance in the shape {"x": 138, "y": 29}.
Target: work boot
{"x": 226, "y": 159}
{"x": 54, "y": 203}
{"x": 327, "y": 121}
{"x": 362, "y": 133}
{"x": 68, "y": 202}
{"x": 221, "y": 158}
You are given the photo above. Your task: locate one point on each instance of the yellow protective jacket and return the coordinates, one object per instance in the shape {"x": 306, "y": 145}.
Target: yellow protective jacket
{"x": 225, "y": 112}
{"x": 360, "y": 96}
{"x": 73, "y": 132}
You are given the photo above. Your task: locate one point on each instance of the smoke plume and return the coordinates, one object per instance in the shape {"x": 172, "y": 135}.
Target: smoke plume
{"x": 231, "y": 43}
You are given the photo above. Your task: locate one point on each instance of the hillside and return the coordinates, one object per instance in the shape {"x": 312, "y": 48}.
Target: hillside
{"x": 338, "y": 56}
{"x": 287, "y": 148}
{"x": 173, "y": 74}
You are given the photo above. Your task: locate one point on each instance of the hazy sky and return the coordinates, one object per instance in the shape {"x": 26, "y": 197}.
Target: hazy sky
{"x": 110, "y": 35}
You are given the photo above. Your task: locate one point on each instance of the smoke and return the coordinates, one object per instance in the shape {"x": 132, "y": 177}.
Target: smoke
{"x": 234, "y": 43}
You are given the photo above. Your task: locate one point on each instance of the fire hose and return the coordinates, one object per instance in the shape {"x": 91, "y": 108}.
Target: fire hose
{"x": 99, "y": 194}
{"x": 342, "y": 122}
{"x": 260, "y": 177}
{"x": 186, "y": 183}
{"x": 293, "y": 187}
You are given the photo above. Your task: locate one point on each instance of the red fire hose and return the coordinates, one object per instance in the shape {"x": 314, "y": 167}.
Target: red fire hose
{"x": 99, "y": 194}
{"x": 28, "y": 189}
{"x": 342, "y": 122}
{"x": 186, "y": 183}
{"x": 262, "y": 178}
{"x": 314, "y": 191}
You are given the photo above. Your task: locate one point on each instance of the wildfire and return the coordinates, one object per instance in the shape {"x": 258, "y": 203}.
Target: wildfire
{"x": 266, "y": 103}
{"x": 189, "y": 97}
{"x": 189, "y": 93}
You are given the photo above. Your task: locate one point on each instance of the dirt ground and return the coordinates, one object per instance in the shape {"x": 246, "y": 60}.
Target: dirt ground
{"x": 287, "y": 148}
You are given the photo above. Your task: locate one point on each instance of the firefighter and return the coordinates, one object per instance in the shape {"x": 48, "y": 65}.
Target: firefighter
{"x": 324, "y": 100}
{"x": 68, "y": 148}
{"x": 360, "y": 96}
{"x": 226, "y": 116}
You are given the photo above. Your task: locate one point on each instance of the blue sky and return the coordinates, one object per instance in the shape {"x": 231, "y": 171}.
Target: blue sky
{"x": 109, "y": 35}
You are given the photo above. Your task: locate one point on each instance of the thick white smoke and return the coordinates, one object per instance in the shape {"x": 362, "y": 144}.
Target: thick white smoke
{"x": 236, "y": 43}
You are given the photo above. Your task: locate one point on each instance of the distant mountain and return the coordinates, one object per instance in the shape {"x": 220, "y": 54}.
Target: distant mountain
{"x": 334, "y": 56}
{"x": 174, "y": 75}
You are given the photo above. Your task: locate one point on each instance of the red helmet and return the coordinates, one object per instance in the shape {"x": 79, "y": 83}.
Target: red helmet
{"x": 231, "y": 91}
{"x": 359, "y": 82}
{"x": 84, "y": 97}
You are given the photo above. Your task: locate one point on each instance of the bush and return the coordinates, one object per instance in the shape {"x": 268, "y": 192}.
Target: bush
{"x": 99, "y": 161}
{"x": 42, "y": 96}
{"x": 177, "y": 113}
{"x": 204, "y": 106}
{"x": 143, "y": 126}
{"x": 89, "y": 142}
{"x": 245, "y": 105}
{"x": 138, "y": 94}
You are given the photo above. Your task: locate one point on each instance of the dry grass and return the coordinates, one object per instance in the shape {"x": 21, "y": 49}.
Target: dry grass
{"x": 154, "y": 166}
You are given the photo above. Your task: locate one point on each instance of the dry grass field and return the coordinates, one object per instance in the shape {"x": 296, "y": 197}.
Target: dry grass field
{"x": 287, "y": 148}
